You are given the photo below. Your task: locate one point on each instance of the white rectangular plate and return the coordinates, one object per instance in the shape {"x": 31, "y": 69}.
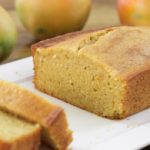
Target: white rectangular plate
{"x": 90, "y": 132}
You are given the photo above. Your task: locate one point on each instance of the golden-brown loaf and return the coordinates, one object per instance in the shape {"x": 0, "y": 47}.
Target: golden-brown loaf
{"x": 17, "y": 134}
{"x": 25, "y": 104}
{"x": 106, "y": 72}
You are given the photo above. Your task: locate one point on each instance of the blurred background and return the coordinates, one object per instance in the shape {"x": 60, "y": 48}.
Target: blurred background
{"x": 103, "y": 14}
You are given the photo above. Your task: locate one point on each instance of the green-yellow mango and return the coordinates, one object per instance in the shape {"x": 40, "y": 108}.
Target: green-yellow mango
{"x": 8, "y": 34}
{"x": 48, "y": 18}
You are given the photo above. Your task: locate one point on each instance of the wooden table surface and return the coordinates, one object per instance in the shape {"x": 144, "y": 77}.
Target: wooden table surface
{"x": 103, "y": 14}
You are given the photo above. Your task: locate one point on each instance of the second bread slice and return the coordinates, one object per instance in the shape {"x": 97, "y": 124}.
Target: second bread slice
{"x": 16, "y": 134}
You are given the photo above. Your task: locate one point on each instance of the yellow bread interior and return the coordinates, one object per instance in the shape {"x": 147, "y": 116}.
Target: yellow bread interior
{"x": 16, "y": 134}
{"x": 75, "y": 79}
{"x": 106, "y": 71}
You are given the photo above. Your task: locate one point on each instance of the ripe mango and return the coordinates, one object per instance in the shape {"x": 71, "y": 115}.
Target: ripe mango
{"x": 8, "y": 34}
{"x": 50, "y": 18}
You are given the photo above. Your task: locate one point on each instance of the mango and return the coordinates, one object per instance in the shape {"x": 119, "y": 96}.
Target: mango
{"x": 49, "y": 18}
{"x": 134, "y": 12}
{"x": 8, "y": 34}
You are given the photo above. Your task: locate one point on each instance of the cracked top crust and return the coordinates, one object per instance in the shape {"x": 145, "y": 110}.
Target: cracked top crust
{"x": 124, "y": 49}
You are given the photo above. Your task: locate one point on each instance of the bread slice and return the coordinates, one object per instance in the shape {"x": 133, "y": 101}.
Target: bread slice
{"x": 106, "y": 72}
{"x": 16, "y": 134}
{"x": 23, "y": 103}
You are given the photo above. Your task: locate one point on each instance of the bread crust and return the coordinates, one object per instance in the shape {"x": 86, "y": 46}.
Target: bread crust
{"x": 58, "y": 39}
{"x": 137, "y": 96}
{"x": 127, "y": 74}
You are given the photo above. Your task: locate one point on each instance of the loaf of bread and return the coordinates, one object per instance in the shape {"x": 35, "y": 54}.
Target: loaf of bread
{"x": 106, "y": 72}
{"x": 21, "y": 102}
{"x": 16, "y": 134}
